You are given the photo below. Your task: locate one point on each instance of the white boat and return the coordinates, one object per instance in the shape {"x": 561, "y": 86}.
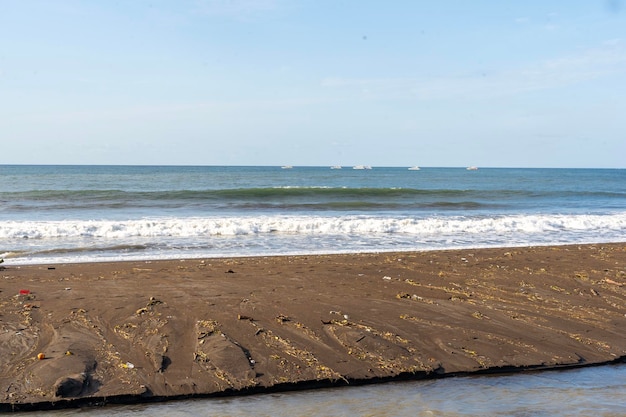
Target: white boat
{"x": 361, "y": 167}
{"x": 414, "y": 168}
{"x": 472, "y": 168}
{"x": 286, "y": 167}
{"x": 336, "y": 167}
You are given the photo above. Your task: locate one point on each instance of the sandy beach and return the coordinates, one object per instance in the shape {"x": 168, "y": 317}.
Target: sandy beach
{"x": 123, "y": 332}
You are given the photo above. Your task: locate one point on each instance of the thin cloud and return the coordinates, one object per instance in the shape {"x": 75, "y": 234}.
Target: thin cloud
{"x": 204, "y": 110}
{"x": 606, "y": 60}
{"x": 235, "y": 8}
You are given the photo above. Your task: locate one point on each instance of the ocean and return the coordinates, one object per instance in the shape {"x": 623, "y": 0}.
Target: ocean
{"x": 57, "y": 214}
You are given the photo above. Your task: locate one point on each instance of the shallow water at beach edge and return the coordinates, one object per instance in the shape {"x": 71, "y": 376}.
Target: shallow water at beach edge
{"x": 590, "y": 391}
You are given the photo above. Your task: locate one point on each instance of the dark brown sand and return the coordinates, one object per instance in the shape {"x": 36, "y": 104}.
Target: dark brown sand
{"x": 148, "y": 331}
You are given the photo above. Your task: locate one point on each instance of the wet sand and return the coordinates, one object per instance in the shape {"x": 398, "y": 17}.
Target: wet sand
{"x": 127, "y": 332}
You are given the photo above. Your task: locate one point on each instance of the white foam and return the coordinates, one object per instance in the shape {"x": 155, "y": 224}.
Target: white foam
{"x": 310, "y": 225}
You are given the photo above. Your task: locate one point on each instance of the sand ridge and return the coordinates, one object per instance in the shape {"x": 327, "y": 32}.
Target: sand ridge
{"x": 152, "y": 330}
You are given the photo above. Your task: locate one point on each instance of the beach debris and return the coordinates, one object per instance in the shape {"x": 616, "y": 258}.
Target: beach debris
{"x": 243, "y": 317}
{"x": 557, "y": 288}
{"x": 478, "y": 315}
{"x": 610, "y": 281}
{"x": 281, "y": 318}
{"x": 345, "y": 316}
{"x": 24, "y": 292}
{"x": 41, "y": 356}
{"x": 333, "y": 321}
{"x": 386, "y": 278}
{"x": 68, "y": 288}
{"x": 339, "y": 313}
{"x": 68, "y": 353}
{"x": 127, "y": 365}
{"x": 230, "y": 271}
{"x": 153, "y": 301}
{"x": 207, "y": 328}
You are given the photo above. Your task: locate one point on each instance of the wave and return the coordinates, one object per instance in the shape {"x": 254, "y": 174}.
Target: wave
{"x": 78, "y": 250}
{"x": 288, "y": 191}
{"x": 197, "y": 227}
{"x": 297, "y": 199}
{"x": 169, "y": 238}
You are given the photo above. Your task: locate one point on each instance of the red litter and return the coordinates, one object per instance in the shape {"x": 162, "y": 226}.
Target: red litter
{"x": 24, "y": 292}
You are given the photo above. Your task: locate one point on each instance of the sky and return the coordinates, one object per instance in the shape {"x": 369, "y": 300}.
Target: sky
{"x": 498, "y": 83}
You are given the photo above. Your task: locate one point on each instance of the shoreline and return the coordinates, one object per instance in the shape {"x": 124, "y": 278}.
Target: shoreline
{"x": 145, "y": 331}
{"x": 147, "y": 258}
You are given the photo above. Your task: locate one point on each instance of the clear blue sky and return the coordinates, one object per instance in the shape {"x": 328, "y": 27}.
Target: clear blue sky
{"x": 314, "y": 82}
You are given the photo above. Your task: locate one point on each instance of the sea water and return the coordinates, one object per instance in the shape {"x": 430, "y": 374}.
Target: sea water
{"x": 52, "y": 214}
{"x": 589, "y": 392}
